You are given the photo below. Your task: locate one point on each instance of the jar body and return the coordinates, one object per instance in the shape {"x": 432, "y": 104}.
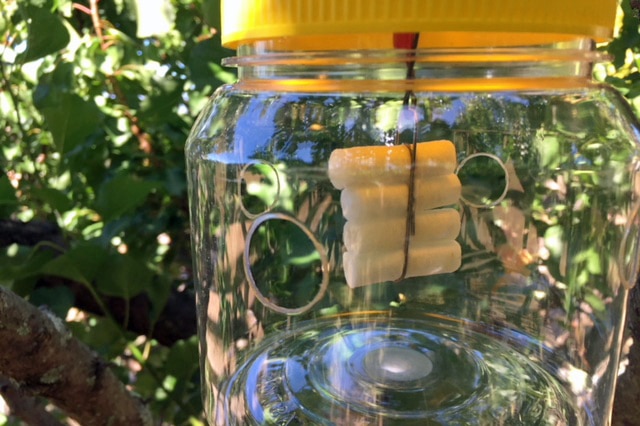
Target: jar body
{"x": 525, "y": 328}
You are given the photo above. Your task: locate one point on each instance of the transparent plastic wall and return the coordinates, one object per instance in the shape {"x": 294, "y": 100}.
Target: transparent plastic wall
{"x": 467, "y": 268}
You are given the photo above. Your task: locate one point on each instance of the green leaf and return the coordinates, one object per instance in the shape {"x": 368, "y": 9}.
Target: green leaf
{"x": 101, "y": 334}
{"x": 203, "y": 64}
{"x": 7, "y": 192}
{"x": 121, "y": 195}
{"x": 165, "y": 95}
{"x": 123, "y": 276}
{"x": 4, "y": 23}
{"x": 175, "y": 181}
{"x": 59, "y": 299}
{"x": 55, "y": 198}
{"x": 211, "y": 13}
{"x": 553, "y": 240}
{"x": 112, "y": 274}
{"x": 20, "y": 265}
{"x": 54, "y": 85}
{"x": 65, "y": 266}
{"x": 182, "y": 358}
{"x": 47, "y": 34}
{"x": 595, "y": 302}
{"x": 88, "y": 258}
{"x": 71, "y": 121}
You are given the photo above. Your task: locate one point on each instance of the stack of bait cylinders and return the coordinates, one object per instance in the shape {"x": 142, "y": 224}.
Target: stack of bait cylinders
{"x": 375, "y": 184}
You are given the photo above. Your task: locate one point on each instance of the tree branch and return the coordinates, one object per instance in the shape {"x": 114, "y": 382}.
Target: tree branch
{"x": 29, "y": 233}
{"x": 25, "y": 407}
{"x": 41, "y": 356}
{"x": 625, "y": 407}
{"x": 97, "y": 25}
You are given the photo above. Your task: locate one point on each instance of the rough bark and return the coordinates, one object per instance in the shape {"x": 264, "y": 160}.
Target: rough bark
{"x": 25, "y": 407}
{"x": 626, "y": 407}
{"x": 42, "y": 358}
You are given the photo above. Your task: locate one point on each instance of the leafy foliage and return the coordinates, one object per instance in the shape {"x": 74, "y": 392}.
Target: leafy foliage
{"x": 623, "y": 72}
{"x": 96, "y": 101}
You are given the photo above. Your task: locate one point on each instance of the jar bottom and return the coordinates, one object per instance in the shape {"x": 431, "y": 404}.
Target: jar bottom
{"x": 389, "y": 371}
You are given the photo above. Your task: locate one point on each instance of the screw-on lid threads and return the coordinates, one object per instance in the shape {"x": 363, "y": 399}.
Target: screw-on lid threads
{"x": 537, "y": 20}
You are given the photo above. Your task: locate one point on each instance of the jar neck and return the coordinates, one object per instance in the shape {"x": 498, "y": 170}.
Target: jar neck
{"x": 263, "y": 65}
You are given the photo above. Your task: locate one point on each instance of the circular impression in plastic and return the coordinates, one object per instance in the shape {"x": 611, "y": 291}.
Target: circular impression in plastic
{"x": 285, "y": 264}
{"x": 484, "y": 179}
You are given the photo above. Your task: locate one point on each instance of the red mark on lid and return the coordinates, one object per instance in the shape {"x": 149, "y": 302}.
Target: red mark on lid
{"x": 405, "y": 40}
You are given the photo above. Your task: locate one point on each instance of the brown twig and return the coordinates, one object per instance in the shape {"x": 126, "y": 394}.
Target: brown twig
{"x": 41, "y": 356}
{"x": 82, "y": 8}
{"x": 143, "y": 138}
{"x": 97, "y": 24}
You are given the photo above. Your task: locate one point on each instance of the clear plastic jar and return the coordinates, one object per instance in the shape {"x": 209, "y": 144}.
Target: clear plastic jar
{"x": 406, "y": 236}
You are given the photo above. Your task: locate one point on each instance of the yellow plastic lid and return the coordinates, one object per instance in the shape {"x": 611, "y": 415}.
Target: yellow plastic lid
{"x": 325, "y": 23}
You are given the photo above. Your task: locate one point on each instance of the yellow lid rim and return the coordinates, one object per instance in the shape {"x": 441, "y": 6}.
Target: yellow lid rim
{"x": 251, "y": 20}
